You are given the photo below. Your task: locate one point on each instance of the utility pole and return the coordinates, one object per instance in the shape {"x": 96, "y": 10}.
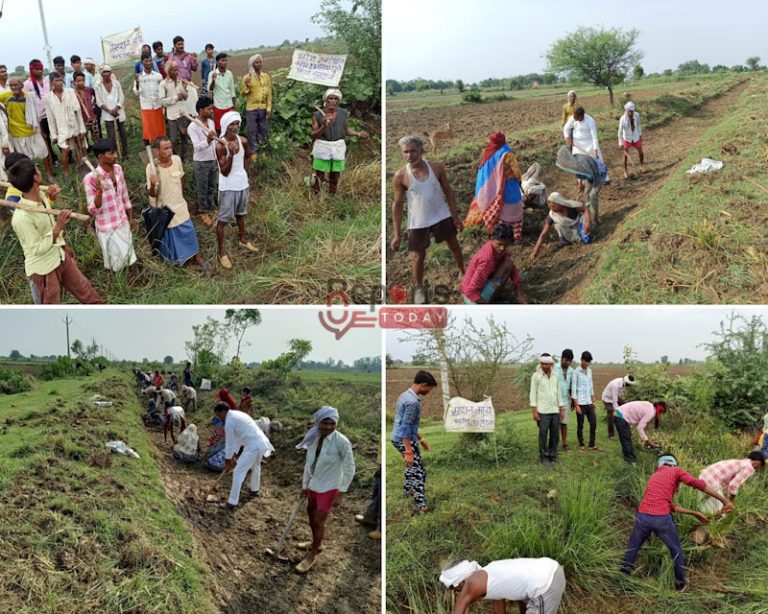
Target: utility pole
{"x": 68, "y": 321}
{"x": 47, "y": 46}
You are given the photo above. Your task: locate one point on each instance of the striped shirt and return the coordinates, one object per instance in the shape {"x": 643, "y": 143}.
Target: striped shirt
{"x": 728, "y": 475}
{"x": 582, "y": 389}
{"x": 662, "y": 487}
{"x": 114, "y": 199}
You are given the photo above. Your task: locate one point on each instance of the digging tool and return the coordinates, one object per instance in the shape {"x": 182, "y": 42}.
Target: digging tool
{"x": 54, "y": 212}
{"x": 5, "y": 184}
{"x": 204, "y": 127}
{"x": 279, "y": 547}
{"x": 218, "y": 479}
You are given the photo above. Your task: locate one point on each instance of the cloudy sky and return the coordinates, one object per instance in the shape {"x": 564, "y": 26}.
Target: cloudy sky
{"x": 452, "y": 39}
{"x": 134, "y": 333}
{"x": 77, "y": 27}
{"x": 652, "y": 332}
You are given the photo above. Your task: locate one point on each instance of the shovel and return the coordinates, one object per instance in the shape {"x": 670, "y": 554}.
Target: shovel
{"x": 279, "y": 547}
{"x": 211, "y": 496}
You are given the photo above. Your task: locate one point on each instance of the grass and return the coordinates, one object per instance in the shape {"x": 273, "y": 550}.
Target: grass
{"x": 580, "y": 513}
{"x": 304, "y": 241}
{"x": 84, "y": 530}
{"x": 699, "y": 240}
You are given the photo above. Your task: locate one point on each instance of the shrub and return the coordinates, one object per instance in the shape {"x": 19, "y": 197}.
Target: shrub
{"x": 12, "y": 382}
{"x": 472, "y": 97}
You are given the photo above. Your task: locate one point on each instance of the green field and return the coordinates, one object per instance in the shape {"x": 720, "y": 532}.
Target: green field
{"x": 579, "y": 512}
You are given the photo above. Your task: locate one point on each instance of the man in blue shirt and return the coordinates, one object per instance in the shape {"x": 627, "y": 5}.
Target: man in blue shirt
{"x": 583, "y": 394}
{"x": 406, "y": 438}
{"x": 207, "y": 65}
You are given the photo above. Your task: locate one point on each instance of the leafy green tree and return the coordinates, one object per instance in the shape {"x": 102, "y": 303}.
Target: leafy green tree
{"x": 460, "y": 86}
{"x": 239, "y": 321}
{"x": 753, "y": 62}
{"x": 207, "y": 347}
{"x": 598, "y": 56}
{"x": 288, "y": 361}
{"x": 638, "y": 72}
{"x": 15, "y": 355}
{"x": 693, "y": 67}
{"x": 77, "y": 348}
{"x": 168, "y": 361}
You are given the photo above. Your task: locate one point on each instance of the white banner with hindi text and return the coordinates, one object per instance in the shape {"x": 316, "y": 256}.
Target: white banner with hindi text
{"x": 317, "y": 68}
{"x": 463, "y": 416}
{"x": 122, "y": 46}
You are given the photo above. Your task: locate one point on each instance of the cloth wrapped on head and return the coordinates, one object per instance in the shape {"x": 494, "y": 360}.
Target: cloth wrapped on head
{"x": 453, "y": 576}
{"x": 229, "y": 118}
{"x": 546, "y": 359}
{"x": 667, "y": 459}
{"x": 312, "y": 434}
{"x": 332, "y": 91}
{"x": 630, "y": 106}
{"x": 558, "y": 198}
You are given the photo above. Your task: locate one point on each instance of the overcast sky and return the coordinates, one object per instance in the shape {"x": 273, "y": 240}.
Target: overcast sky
{"x": 453, "y": 39}
{"x": 77, "y": 27}
{"x": 652, "y": 332}
{"x": 133, "y": 334}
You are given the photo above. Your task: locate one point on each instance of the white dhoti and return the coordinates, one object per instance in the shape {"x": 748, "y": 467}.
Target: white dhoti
{"x": 329, "y": 150}
{"x": 31, "y": 146}
{"x": 249, "y": 460}
{"x": 117, "y": 247}
{"x": 710, "y": 505}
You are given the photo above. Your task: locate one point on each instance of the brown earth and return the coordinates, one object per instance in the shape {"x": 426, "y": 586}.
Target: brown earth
{"x": 558, "y": 274}
{"x": 505, "y": 396}
{"x": 347, "y": 576}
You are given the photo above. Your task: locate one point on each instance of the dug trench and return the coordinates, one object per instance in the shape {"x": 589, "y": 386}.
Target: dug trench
{"x": 346, "y": 577}
{"x": 559, "y": 274}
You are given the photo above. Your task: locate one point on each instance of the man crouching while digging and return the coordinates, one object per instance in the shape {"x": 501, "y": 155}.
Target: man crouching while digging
{"x": 241, "y": 430}
{"x": 328, "y": 472}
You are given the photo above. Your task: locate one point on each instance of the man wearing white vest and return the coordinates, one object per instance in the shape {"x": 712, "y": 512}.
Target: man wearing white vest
{"x": 431, "y": 210}
{"x": 241, "y": 430}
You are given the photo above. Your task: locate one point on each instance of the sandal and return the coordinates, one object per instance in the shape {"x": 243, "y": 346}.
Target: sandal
{"x": 249, "y": 246}
{"x": 226, "y": 505}
{"x": 307, "y": 546}
{"x": 225, "y": 261}
{"x": 305, "y": 566}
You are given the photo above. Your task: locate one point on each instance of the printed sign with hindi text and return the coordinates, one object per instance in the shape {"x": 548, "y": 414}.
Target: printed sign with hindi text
{"x": 122, "y": 46}
{"x": 317, "y": 68}
{"x": 464, "y": 416}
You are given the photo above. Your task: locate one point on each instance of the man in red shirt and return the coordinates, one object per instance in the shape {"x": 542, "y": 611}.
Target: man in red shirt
{"x": 490, "y": 268}
{"x": 654, "y": 515}
{"x": 158, "y": 380}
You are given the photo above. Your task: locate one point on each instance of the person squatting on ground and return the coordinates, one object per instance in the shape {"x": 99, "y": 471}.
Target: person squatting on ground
{"x": 187, "y": 450}
{"x": 498, "y": 195}
{"x": 535, "y": 585}
{"x": 534, "y": 190}
{"x": 613, "y": 397}
{"x": 106, "y": 193}
{"x": 564, "y": 372}
{"x": 583, "y": 395}
{"x": 630, "y": 135}
{"x": 204, "y": 158}
{"x": 329, "y": 131}
{"x": 329, "y": 468}
{"x": 240, "y": 430}
{"x": 431, "y": 210}
{"x": 48, "y": 260}
{"x": 639, "y": 414}
{"x": 491, "y": 268}
{"x": 174, "y": 416}
{"x": 571, "y": 219}
{"x": 406, "y": 439}
{"x": 547, "y": 407}
{"x": 233, "y": 161}
{"x": 188, "y": 398}
{"x": 654, "y": 515}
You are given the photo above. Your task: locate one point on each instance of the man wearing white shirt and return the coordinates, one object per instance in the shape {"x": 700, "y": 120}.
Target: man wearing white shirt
{"x": 613, "y": 396}
{"x": 204, "y": 157}
{"x": 176, "y": 95}
{"x": 147, "y": 87}
{"x": 174, "y": 416}
{"x": 580, "y": 132}
{"x": 241, "y": 430}
{"x": 630, "y": 135}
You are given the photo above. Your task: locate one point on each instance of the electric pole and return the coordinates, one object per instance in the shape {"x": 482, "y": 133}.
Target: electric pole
{"x": 47, "y": 47}
{"x": 67, "y": 321}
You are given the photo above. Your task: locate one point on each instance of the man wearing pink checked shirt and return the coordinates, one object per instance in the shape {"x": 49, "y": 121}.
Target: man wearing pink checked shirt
{"x": 107, "y": 195}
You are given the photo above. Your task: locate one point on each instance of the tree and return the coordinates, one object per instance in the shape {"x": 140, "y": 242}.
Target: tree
{"x": 239, "y": 321}
{"x": 360, "y": 30}
{"x": 753, "y": 63}
{"x": 168, "y": 361}
{"x": 692, "y": 67}
{"x": 92, "y": 350}
{"x": 390, "y": 362}
{"x": 664, "y": 360}
{"x": 598, "y": 56}
{"x": 286, "y": 362}
{"x": 15, "y": 355}
{"x": 638, "y": 72}
{"x": 460, "y": 86}
{"x": 207, "y": 347}
{"x": 77, "y": 347}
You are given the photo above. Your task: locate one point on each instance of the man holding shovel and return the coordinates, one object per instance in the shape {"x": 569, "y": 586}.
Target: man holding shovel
{"x": 241, "y": 430}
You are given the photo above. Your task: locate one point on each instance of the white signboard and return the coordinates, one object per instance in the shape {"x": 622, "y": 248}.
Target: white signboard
{"x": 317, "y": 68}
{"x": 122, "y": 46}
{"x": 463, "y": 416}
{"x": 205, "y": 384}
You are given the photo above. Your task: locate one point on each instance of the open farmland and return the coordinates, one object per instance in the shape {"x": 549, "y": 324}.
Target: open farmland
{"x": 663, "y": 237}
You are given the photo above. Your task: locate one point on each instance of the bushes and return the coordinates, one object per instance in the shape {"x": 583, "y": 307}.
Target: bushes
{"x": 64, "y": 367}
{"x": 12, "y": 382}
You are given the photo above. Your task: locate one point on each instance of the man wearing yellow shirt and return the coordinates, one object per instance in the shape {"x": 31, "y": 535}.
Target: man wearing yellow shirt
{"x": 570, "y": 106}
{"x": 47, "y": 258}
{"x": 257, "y": 87}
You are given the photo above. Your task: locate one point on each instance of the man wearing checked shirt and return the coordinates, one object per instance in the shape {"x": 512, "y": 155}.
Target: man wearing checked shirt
{"x": 583, "y": 393}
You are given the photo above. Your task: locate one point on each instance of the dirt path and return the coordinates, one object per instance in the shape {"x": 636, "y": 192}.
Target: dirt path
{"x": 345, "y": 580}
{"x": 558, "y": 274}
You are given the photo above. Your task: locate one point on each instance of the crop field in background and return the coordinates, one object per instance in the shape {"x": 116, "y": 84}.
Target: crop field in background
{"x": 663, "y": 237}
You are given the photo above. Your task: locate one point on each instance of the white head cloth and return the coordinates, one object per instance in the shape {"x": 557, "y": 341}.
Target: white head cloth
{"x": 546, "y": 360}
{"x": 453, "y": 576}
{"x": 312, "y": 434}
{"x": 104, "y": 67}
{"x": 572, "y": 92}
{"x": 558, "y": 198}
{"x": 251, "y": 60}
{"x": 629, "y": 382}
{"x": 89, "y": 61}
{"x": 227, "y": 119}
{"x": 188, "y": 440}
{"x": 630, "y": 106}
{"x": 332, "y": 91}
